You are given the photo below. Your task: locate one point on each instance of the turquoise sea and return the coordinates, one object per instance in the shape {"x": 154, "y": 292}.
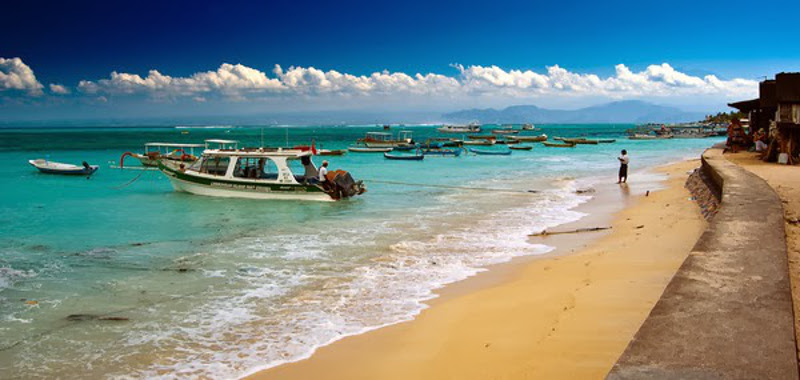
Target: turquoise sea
{"x": 218, "y": 288}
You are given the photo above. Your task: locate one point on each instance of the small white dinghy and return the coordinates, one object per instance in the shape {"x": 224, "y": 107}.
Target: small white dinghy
{"x": 51, "y": 167}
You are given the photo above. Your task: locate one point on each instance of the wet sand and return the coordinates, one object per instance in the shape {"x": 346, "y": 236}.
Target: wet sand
{"x": 568, "y": 314}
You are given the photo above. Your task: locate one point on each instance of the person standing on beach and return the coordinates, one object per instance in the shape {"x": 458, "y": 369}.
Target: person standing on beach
{"x": 623, "y": 167}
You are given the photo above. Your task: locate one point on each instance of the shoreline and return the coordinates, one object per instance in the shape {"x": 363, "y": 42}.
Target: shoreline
{"x": 607, "y": 207}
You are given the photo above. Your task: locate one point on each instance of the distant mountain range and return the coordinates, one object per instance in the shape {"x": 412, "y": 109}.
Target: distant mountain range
{"x": 629, "y": 111}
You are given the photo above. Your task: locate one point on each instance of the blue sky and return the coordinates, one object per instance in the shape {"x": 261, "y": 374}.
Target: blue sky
{"x": 65, "y": 43}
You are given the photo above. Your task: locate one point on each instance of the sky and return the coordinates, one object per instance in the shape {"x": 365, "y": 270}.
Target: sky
{"x": 87, "y": 59}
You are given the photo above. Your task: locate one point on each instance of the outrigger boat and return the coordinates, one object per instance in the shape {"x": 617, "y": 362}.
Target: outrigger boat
{"x": 490, "y": 152}
{"x": 479, "y": 142}
{"x": 580, "y": 140}
{"x": 505, "y": 130}
{"x": 442, "y": 152}
{"x": 405, "y": 157}
{"x": 539, "y": 138}
{"x": 520, "y": 147}
{"x": 259, "y": 173}
{"x": 556, "y": 145}
{"x": 469, "y": 128}
{"x": 638, "y": 136}
{"x": 385, "y": 140}
{"x": 51, "y": 167}
{"x": 482, "y": 137}
{"x": 607, "y": 141}
{"x": 154, "y": 151}
{"x": 528, "y": 127}
{"x": 364, "y": 149}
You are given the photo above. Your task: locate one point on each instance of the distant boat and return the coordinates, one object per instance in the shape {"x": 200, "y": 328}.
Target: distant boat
{"x": 520, "y": 147}
{"x": 504, "y": 131}
{"x": 606, "y": 141}
{"x": 364, "y": 149}
{"x": 469, "y": 128}
{"x": 490, "y": 152}
{"x": 580, "y": 141}
{"x": 404, "y": 157}
{"x": 482, "y": 137}
{"x": 556, "y": 145}
{"x": 384, "y": 140}
{"x": 442, "y": 152}
{"x": 479, "y": 142}
{"x": 539, "y": 138}
{"x": 639, "y": 136}
{"x": 528, "y": 127}
{"x": 51, "y": 167}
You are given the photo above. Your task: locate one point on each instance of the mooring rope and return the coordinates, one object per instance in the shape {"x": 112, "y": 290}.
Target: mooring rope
{"x": 126, "y": 184}
{"x": 488, "y": 189}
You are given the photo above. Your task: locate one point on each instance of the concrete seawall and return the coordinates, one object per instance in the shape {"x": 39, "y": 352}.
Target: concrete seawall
{"x": 727, "y": 312}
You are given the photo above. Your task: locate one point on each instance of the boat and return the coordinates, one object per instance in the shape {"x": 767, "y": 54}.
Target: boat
{"x": 490, "y": 152}
{"x": 557, "y": 145}
{"x": 384, "y": 140}
{"x": 639, "y": 136}
{"x": 520, "y": 147}
{"x": 431, "y": 144}
{"x": 539, "y": 138}
{"x": 479, "y": 142}
{"x": 442, "y": 152}
{"x": 482, "y": 137}
{"x": 580, "y": 140}
{"x": 51, "y": 167}
{"x": 405, "y": 157}
{"x": 528, "y": 127}
{"x": 469, "y": 128}
{"x": 260, "y": 173}
{"x": 607, "y": 141}
{"x": 505, "y": 131}
{"x": 154, "y": 151}
{"x": 366, "y": 149}
{"x": 320, "y": 152}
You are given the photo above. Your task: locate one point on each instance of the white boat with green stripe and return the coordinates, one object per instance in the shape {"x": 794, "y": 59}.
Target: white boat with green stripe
{"x": 259, "y": 173}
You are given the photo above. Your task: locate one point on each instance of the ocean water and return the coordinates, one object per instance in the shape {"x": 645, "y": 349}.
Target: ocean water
{"x": 218, "y": 288}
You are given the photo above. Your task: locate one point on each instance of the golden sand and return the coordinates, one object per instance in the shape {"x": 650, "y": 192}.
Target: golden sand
{"x": 567, "y": 315}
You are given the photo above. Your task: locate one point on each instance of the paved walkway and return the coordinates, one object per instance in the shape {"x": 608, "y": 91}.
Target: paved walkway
{"x": 727, "y": 313}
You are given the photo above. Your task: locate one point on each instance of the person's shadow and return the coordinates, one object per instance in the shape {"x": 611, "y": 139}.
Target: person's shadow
{"x": 624, "y": 189}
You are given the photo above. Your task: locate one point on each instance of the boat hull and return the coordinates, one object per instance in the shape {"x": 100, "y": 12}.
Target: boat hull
{"x": 246, "y": 189}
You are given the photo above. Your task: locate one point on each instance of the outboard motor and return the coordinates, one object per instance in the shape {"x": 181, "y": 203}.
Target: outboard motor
{"x": 342, "y": 185}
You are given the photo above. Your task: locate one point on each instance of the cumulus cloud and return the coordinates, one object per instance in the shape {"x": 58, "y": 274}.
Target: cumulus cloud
{"x": 241, "y": 82}
{"x": 16, "y": 75}
{"x": 58, "y": 89}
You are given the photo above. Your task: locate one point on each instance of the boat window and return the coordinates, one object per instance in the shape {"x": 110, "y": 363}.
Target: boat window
{"x": 215, "y": 165}
{"x": 197, "y": 164}
{"x": 256, "y": 168}
{"x": 302, "y": 168}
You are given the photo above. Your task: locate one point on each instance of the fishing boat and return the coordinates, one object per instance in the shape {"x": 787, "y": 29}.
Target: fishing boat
{"x": 528, "y": 127}
{"x": 490, "y": 152}
{"x": 385, "y": 140}
{"x": 442, "y": 152}
{"x": 365, "y": 149}
{"x": 259, "y": 173}
{"x": 419, "y": 156}
{"x": 479, "y": 142}
{"x": 469, "y": 128}
{"x": 154, "y": 151}
{"x": 580, "y": 141}
{"x": 431, "y": 144}
{"x": 482, "y": 137}
{"x": 607, "y": 141}
{"x": 50, "y": 167}
{"x": 539, "y": 138}
{"x": 557, "y": 145}
{"x": 520, "y": 147}
{"x": 639, "y": 136}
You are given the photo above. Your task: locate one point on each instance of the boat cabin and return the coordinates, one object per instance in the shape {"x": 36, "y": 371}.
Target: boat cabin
{"x": 221, "y": 144}
{"x": 167, "y": 149}
{"x": 278, "y": 165}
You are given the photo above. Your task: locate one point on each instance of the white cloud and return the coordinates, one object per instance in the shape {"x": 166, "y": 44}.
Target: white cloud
{"x": 58, "y": 89}
{"x": 16, "y": 75}
{"x": 240, "y": 82}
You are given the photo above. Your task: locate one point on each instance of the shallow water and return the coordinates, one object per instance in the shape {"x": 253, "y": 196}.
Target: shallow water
{"x": 219, "y": 287}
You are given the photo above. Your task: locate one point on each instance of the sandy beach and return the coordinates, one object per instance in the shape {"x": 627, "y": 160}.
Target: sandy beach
{"x": 569, "y": 314}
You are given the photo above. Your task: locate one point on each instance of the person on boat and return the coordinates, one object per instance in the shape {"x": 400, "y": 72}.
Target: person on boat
{"x": 323, "y": 172}
{"x": 623, "y": 166}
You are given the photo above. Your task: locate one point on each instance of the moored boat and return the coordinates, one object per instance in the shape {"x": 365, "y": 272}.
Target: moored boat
{"x": 469, "y": 128}
{"x": 259, "y": 173}
{"x": 490, "y": 152}
{"x": 482, "y": 137}
{"x": 580, "y": 140}
{"x": 639, "y": 136}
{"x": 607, "y": 141}
{"x": 539, "y": 138}
{"x": 528, "y": 127}
{"x": 444, "y": 152}
{"x": 405, "y": 157}
{"x": 154, "y": 151}
{"x": 557, "y": 145}
{"x": 520, "y": 147}
{"x": 385, "y": 140}
{"x": 479, "y": 142}
{"x": 51, "y": 167}
{"x": 366, "y": 149}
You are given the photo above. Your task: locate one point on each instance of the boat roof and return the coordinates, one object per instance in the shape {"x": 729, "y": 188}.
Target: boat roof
{"x": 257, "y": 152}
{"x": 379, "y": 133}
{"x": 218, "y": 141}
{"x": 174, "y": 145}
